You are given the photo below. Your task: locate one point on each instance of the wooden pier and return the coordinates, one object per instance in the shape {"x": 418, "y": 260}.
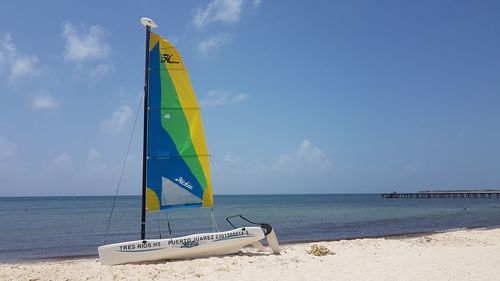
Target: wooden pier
{"x": 444, "y": 195}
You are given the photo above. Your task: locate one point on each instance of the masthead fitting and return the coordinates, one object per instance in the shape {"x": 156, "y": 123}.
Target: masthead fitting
{"x": 148, "y": 22}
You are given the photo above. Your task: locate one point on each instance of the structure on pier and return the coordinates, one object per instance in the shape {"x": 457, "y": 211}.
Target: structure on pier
{"x": 472, "y": 194}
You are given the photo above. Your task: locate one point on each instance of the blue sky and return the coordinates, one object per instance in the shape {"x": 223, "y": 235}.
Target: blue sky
{"x": 297, "y": 96}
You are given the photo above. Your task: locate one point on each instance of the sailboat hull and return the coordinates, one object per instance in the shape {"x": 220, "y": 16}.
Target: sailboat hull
{"x": 186, "y": 247}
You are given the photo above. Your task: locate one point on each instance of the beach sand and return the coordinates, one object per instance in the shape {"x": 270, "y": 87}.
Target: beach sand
{"x": 456, "y": 255}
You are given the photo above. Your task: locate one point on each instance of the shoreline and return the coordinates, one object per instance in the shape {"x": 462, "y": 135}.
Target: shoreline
{"x": 466, "y": 254}
{"x": 286, "y": 243}
{"x": 307, "y": 241}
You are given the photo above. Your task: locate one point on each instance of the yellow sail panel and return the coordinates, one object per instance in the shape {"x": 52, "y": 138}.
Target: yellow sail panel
{"x": 152, "y": 201}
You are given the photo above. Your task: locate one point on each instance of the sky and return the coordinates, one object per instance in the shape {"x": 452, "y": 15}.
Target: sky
{"x": 296, "y": 96}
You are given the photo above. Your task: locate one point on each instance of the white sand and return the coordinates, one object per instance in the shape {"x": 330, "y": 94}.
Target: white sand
{"x": 457, "y": 255}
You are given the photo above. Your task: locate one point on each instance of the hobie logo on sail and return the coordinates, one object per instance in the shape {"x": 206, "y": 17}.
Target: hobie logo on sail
{"x": 184, "y": 183}
{"x": 167, "y": 58}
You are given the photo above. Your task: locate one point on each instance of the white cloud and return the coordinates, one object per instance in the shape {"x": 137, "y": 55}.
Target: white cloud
{"x": 23, "y": 65}
{"x": 19, "y": 65}
{"x": 308, "y": 158}
{"x": 44, "y": 101}
{"x": 239, "y": 97}
{"x": 100, "y": 70}
{"x": 118, "y": 120}
{"x": 94, "y": 155}
{"x": 62, "y": 160}
{"x": 84, "y": 45}
{"x": 230, "y": 159}
{"x": 213, "y": 43}
{"x": 6, "y": 148}
{"x": 7, "y": 153}
{"x": 220, "y": 97}
{"x": 60, "y": 167}
{"x": 7, "y": 49}
{"x": 256, "y": 3}
{"x": 227, "y": 11}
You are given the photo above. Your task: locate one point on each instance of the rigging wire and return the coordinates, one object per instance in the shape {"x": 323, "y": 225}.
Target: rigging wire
{"x": 123, "y": 169}
{"x": 159, "y": 224}
{"x": 168, "y": 223}
{"x": 214, "y": 221}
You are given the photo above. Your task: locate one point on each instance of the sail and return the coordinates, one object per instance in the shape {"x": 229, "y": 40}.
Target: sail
{"x": 178, "y": 172}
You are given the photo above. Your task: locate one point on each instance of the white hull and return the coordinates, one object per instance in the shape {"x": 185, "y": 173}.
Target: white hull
{"x": 192, "y": 246}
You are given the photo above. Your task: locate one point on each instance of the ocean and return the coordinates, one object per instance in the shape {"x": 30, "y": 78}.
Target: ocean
{"x": 34, "y": 228}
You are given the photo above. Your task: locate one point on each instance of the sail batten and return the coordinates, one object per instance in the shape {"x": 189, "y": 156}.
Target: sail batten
{"x": 179, "y": 156}
{"x": 183, "y": 108}
{"x": 178, "y": 164}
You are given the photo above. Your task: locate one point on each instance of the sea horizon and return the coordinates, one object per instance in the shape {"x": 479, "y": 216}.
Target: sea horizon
{"x": 267, "y": 194}
{"x": 226, "y": 194}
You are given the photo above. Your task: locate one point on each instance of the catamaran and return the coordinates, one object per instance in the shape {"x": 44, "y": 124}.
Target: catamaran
{"x": 176, "y": 172}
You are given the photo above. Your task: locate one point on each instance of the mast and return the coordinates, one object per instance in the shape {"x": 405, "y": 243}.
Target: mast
{"x": 148, "y": 23}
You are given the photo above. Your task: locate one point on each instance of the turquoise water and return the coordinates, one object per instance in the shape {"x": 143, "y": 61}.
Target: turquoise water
{"x": 49, "y": 227}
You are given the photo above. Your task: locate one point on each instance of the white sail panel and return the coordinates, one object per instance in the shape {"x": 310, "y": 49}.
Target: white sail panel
{"x": 173, "y": 194}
